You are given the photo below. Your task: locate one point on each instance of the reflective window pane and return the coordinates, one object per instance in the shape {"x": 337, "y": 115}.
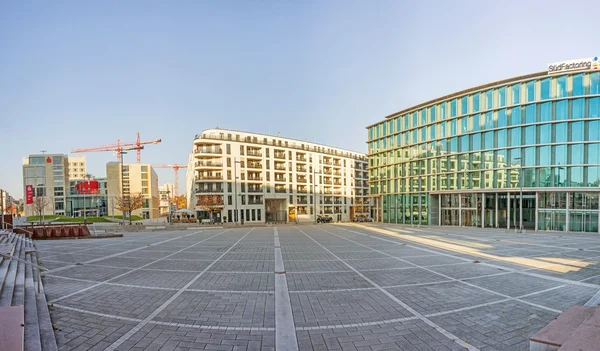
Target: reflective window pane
{"x": 561, "y": 86}
{"x": 561, "y": 132}
{"x": 515, "y": 136}
{"x": 515, "y": 118}
{"x": 545, "y": 158}
{"x": 502, "y": 118}
{"x": 577, "y": 132}
{"x": 578, "y": 88}
{"x": 546, "y": 112}
{"x": 516, "y": 93}
{"x": 578, "y": 108}
{"x": 576, "y": 154}
{"x": 501, "y": 96}
{"x": 530, "y": 135}
{"x": 546, "y": 91}
{"x": 562, "y": 110}
{"x": 530, "y": 91}
{"x": 545, "y": 133}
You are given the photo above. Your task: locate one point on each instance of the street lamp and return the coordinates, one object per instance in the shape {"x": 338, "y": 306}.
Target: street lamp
{"x": 235, "y": 178}
{"x": 315, "y": 190}
{"x": 169, "y": 204}
{"x": 521, "y": 195}
{"x": 87, "y": 176}
{"x": 122, "y": 153}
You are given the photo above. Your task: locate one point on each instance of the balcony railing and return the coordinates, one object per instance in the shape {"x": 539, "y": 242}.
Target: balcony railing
{"x": 302, "y": 202}
{"x": 209, "y": 164}
{"x": 209, "y": 177}
{"x": 327, "y": 171}
{"x": 280, "y": 190}
{"x": 326, "y": 162}
{"x": 255, "y": 190}
{"x": 337, "y": 173}
{"x": 301, "y": 180}
{"x": 255, "y": 202}
{"x": 300, "y": 169}
{"x": 280, "y": 156}
{"x": 327, "y": 202}
{"x": 337, "y": 164}
{"x": 328, "y": 182}
{"x": 280, "y": 179}
{"x": 337, "y": 183}
{"x": 255, "y": 179}
{"x": 256, "y": 153}
{"x": 302, "y": 190}
{"x": 280, "y": 167}
{"x": 254, "y": 165}
{"x": 301, "y": 159}
{"x": 209, "y": 190}
{"x": 208, "y": 151}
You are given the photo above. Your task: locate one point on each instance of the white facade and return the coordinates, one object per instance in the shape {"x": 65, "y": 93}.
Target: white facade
{"x": 49, "y": 177}
{"x": 270, "y": 179}
{"x": 165, "y": 194}
{"x": 77, "y": 167}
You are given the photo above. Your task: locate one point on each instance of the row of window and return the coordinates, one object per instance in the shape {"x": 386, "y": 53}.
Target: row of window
{"x": 531, "y": 91}
{"x": 574, "y": 176}
{"x": 535, "y": 113}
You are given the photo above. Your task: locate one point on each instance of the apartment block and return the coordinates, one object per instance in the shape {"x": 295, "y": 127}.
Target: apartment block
{"x": 77, "y": 167}
{"x": 165, "y": 194}
{"x": 136, "y": 179}
{"x": 249, "y": 177}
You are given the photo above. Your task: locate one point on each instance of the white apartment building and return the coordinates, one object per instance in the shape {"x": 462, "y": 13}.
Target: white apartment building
{"x": 165, "y": 194}
{"x": 77, "y": 167}
{"x": 249, "y": 177}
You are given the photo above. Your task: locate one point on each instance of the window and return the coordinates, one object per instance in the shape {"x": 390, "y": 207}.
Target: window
{"x": 561, "y": 86}
{"x": 562, "y": 110}
{"x": 464, "y": 143}
{"x": 501, "y": 96}
{"x": 144, "y": 168}
{"x": 561, "y": 131}
{"x": 453, "y": 127}
{"x": 546, "y": 92}
{"x": 476, "y": 142}
{"x": 594, "y": 107}
{"x": 578, "y": 108}
{"x": 476, "y": 102}
{"x": 464, "y": 105}
{"x": 515, "y": 118}
{"x": 489, "y": 99}
{"x": 228, "y": 148}
{"x": 594, "y": 130}
{"x": 516, "y": 93}
{"x": 545, "y": 156}
{"x": 453, "y": 108}
{"x": 576, "y": 154}
{"x": 531, "y": 113}
{"x": 577, "y": 132}
{"x": 595, "y": 83}
{"x": 515, "y": 137}
{"x": 442, "y": 107}
{"x": 464, "y": 124}
{"x": 530, "y": 136}
{"x": 144, "y": 175}
{"x": 529, "y": 156}
{"x": 578, "y": 88}
{"x": 502, "y": 118}
{"x": 488, "y": 140}
{"x": 489, "y": 120}
{"x": 502, "y": 139}
{"x": 545, "y": 133}
{"x": 546, "y": 112}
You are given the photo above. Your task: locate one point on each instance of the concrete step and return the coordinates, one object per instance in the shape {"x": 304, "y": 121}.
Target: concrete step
{"x": 8, "y": 287}
{"x": 565, "y": 329}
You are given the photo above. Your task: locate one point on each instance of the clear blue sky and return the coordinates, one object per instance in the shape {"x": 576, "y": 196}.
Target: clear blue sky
{"x": 81, "y": 73}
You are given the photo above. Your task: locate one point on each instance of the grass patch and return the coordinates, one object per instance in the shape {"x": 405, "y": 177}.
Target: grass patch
{"x": 133, "y": 218}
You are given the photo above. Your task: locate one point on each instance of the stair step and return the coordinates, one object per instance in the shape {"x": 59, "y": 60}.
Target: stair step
{"x": 6, "y": 294}
{"x": 32, "y": 330}
{"x": 19, "y": 289}
{"x": 561, "y": 329}
{"x": 11, "y": 332}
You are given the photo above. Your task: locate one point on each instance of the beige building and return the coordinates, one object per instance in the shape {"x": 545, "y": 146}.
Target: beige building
{"x": 48, "y": 174}
{"x": 249, "y": 177}
{"x": 137, "y": 179}
{"x": 77, "y": 167}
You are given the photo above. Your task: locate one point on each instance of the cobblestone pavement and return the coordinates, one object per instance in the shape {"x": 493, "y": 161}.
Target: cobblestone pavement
{"x": 325, "y": 287}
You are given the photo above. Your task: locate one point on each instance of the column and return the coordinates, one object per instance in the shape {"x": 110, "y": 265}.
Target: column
{"x": 536, "y": 211}
{"x": 482, "y": 210}
{"x": 496, "y": 211}
{"x": 507, "y": 211}
{"x": 440, "y": 210}
{"x": 459, "y": 210}
{"x": 567, "y": 219}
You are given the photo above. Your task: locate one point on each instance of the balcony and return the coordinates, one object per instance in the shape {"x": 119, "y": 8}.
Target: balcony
{"x": 280, "y": 167}
{"x": 328, "y": 182}
{"x": 301, "y": 169}
{"x": 337, "y": 192}
{"x": 328, "y": 211}
{"x": 208, "y": 150}
{"x": 206, "y": 164}
{"x": 300, "y": 158}
{"x": 279, "y": 155}
{"x": 327, "y": 202}
{"x": 209, "y": 190}
{"x": 300, "y": 180}
{"x": 327, "y": 171}
{"x": 255, "y": 189}
{"x": 255, "y": 202}
{"x": 337, "y": 183}
{"x": 210, "y": 177}
{"x": 280, "y": 190}
{"x": 280, "y": 179}
{"x": 327, "y": 162}
{"x": 337, "y": 164}
{"x": 302, "y": 202}
{"x": 302, "y": 190}
{"x": 254, "y": 165}
{"x": 255, "y": 179}
{"x": 254, "y": 153}
{"x": 337, "y": 173}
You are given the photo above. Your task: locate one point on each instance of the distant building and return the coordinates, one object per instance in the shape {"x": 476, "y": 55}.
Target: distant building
{"x": 77, "y": 167}
{"x": 165, "y": 193}
{"x": 48, "y": 175}
{"x": 89, "y": 196}
{"x": 137, "y": 179}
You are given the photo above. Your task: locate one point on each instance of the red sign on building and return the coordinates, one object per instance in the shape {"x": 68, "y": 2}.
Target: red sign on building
{"x": 87, "y": 187}
{"x": 29, "y": 194}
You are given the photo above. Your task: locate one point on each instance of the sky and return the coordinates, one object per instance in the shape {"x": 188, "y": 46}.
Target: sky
{"x": 77, "y": 74}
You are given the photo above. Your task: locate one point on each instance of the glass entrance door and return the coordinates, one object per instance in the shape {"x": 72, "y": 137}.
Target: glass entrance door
{"x": 583, "y": 221}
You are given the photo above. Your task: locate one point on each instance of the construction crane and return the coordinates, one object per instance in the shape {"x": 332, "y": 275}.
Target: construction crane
{"x": 176, "y": 171}
{"x": 120, "y": 146}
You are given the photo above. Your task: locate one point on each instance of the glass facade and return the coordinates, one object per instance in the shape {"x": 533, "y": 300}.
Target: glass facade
{"x": 466, "y": 160}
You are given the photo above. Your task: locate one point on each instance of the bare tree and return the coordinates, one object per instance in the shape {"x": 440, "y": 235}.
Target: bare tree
{"x": 210, "y": 203}
{"x": 132, "y": 202}
{"x": 39, "y": 204}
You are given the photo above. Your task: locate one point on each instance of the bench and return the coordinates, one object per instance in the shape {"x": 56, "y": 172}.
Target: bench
{"x": 206, "y": 221}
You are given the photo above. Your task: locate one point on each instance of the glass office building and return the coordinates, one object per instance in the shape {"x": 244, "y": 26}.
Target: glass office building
{"x": 473, "y": 158}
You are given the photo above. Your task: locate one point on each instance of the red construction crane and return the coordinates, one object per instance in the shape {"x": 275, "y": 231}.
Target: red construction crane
{"x": 120, "y": 146}
{"x": 176, "y": 171}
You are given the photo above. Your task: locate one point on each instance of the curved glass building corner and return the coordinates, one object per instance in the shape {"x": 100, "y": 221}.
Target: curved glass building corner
{"x": 482, "y": 156}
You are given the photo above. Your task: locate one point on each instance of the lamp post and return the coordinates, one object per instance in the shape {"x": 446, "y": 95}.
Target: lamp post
{"x": 521, "y": 195}
{"x": 85, "y": 190}
{"x": 122, "y": 153}
{"x": 315, "y": 190}
{"x": 235, "y": 178}
{"x": 169, "y": 204}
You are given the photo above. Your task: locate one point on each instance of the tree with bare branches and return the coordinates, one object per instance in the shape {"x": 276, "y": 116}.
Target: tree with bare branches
{"x": 39, "y": 204}
{"x": 210, "y": 203}
{"x": 132, "y": 202}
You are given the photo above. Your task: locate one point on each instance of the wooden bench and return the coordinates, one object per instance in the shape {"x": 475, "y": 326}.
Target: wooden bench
{"x": 12, "y": 328}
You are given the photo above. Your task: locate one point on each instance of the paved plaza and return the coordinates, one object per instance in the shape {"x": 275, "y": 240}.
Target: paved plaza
{"x": 323, "y": 287}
